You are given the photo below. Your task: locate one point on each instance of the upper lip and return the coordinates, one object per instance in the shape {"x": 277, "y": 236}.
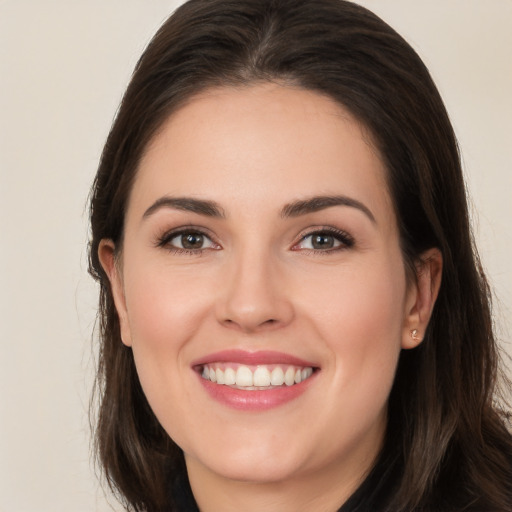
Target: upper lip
{"x": 253, "y": 358}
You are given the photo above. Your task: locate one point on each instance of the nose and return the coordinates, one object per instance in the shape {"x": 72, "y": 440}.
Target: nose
{"x": 254, "y": 295}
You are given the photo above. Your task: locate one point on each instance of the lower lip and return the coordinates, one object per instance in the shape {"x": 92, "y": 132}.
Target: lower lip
{"x": 255, "y": 400}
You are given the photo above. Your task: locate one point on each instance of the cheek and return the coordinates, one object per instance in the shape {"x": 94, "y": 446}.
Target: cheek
{"x": 165, "y": 310}
{"x": 359, "y": 315}
{"x": 163, "y": 307}
{"x": 368, "y": 301}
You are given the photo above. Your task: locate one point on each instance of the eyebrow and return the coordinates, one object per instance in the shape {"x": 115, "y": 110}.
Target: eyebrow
{"x": 294, "y": 209}
{"x": 317, "y": 203}
{"x": 188, "y": 204}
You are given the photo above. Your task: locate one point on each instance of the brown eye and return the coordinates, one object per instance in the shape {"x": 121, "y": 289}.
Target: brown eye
{"x": 325, "y": 241}
{"x": 188, "y": 241}
{"x": 322, "y": 241}
{"x": 192, "y": 241}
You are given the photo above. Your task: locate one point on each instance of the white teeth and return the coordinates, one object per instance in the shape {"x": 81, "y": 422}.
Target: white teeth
{"x": 306, "y": 373}
{"x": 244, "y": 377}
{"x": 289, "y": 376}
{"x": 277, "y": 377}
{"x": 260, "y": 377}
{"x": 229, "y": 377}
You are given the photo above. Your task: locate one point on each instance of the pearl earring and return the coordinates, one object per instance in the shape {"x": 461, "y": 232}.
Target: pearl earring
{"x": 414, "y": 334}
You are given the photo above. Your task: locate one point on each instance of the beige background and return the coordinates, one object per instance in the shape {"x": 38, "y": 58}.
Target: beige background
{"x": 63, "y": 67}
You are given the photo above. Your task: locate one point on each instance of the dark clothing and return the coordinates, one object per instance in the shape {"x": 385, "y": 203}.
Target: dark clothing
{"x": 183, "y": 497}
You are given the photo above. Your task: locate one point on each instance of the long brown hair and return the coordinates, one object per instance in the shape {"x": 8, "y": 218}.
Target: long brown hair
{"x": 447, "y": 442}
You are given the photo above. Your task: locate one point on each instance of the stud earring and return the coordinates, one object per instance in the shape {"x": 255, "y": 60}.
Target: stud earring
{"x": 414, "y": 334}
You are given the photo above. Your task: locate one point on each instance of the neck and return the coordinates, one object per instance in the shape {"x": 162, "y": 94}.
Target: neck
{"x": 324, "y": 490}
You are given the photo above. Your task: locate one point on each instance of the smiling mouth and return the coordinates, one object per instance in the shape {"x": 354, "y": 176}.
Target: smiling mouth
{"x": 255, "y": 377}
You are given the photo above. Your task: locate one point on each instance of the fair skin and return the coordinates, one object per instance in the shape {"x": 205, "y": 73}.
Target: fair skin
{"x": 262, "y": 269}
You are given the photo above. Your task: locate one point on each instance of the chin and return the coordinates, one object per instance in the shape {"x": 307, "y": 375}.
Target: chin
{"x": 254, "y": 465}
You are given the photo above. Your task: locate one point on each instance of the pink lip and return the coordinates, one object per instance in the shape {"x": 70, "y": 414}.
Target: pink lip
{"x": 254, "y": 400}
{"x": 253, "y": 358}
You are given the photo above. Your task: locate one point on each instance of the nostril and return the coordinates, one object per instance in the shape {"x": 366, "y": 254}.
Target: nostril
{"x": 250, "y": 325}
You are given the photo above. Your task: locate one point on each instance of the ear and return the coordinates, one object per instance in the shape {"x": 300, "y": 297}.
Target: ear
{"x": 107, "y": 257}
{"x": 421, "y": 297}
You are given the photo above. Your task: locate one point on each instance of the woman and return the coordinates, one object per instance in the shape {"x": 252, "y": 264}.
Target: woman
{"x": 292, "y": 314}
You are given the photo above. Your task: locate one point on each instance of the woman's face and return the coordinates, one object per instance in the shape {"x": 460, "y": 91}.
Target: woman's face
{"x": 261, "y": 248}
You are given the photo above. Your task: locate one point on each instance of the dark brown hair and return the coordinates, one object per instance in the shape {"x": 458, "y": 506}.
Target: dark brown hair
{"x": 447, "y": 444}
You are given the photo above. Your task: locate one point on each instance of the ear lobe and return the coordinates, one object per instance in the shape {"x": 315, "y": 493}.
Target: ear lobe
{"x": 421, "y": 297}
{"x": 107, "y": 257}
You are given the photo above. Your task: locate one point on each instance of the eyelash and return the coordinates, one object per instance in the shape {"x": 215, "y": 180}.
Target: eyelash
{"x": 164, "y": 241}
{"x": 345, "y": 240}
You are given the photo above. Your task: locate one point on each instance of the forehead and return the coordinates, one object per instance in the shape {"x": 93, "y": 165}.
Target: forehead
{"x": 252, "y": 144}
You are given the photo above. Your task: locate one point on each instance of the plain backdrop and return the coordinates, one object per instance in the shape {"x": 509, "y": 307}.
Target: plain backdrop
{"x": 63, "y": 67}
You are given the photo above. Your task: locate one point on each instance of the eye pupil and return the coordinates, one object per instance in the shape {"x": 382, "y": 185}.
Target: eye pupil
{"x": 192, "y": 241}
{"x": 322, "y": 241}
